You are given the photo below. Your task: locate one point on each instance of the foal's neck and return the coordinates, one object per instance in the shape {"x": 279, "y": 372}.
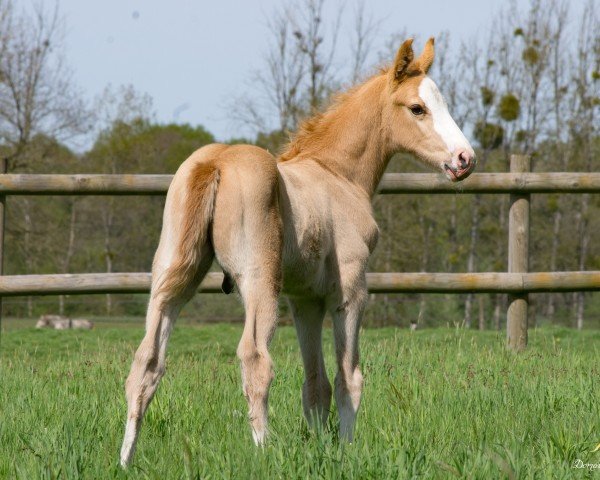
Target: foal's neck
{"x": 349, "y": 138}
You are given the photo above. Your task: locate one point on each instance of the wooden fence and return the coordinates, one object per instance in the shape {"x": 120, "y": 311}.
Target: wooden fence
{"x": 518, "y": 282}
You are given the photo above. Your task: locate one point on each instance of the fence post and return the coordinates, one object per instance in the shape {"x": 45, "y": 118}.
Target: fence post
{"x": 3, "y": 169}
{"x": 518, "y": 257}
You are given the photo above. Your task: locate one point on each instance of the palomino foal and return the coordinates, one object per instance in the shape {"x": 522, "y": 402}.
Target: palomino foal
{"x": 301, "y": 225}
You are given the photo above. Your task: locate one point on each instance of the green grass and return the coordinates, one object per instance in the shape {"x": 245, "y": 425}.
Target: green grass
{"x": 436, "y": 404}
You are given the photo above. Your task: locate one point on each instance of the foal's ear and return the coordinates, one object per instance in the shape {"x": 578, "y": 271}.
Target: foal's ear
{"x": 403, "y": 60}
{"x": 426, "y": 59}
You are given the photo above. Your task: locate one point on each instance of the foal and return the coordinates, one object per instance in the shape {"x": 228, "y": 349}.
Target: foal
{"x": 301, "y": 225}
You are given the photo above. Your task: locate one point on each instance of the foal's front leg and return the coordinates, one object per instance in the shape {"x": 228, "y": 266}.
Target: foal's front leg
{"x": 316, "y": 391}
{"x": 349, "y": 380}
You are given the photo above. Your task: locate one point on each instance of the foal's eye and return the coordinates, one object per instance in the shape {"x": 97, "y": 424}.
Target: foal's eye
{"x": 417, "y": 110}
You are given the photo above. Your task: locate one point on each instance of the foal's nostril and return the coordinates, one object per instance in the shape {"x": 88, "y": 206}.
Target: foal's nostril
{"x": 464, "y": 160}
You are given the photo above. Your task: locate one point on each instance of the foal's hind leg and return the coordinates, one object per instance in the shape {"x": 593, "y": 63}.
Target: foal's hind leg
{"x": 260, "y": 302}
{"x": 316, "y": 391}
{"x": 148, "y": 366}
{"x": 247, "y": 240}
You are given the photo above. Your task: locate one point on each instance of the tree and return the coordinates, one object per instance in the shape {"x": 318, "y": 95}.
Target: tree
{"x": 37, "y": 228}
{"x": 584, "y": 127}
{"x": 361, "y": 40}
{"x": 484, "y": 76}
{"x": 37, "y": 96}
{"x": 558, "y": 70}
{"x": 132, "y": 143}
{"x": 297, "y": 76}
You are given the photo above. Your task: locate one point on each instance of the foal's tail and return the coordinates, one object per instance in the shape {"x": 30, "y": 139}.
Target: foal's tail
{"x": 198, "y": 209}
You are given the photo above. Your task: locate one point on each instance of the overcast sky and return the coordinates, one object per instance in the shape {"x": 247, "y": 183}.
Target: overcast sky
{"x": 191, "y": 56}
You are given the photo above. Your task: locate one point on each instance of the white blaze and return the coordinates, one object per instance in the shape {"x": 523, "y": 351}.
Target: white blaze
{"x": 443, "y": 123}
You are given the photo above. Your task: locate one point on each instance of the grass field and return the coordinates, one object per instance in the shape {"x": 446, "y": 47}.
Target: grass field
{"x": 437, "y": 404}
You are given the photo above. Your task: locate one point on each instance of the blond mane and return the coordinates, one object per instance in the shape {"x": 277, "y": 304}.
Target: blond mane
{"x": 317, "y": 127}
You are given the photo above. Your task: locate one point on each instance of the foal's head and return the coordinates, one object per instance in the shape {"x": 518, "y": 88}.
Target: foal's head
{"x": 417, "y": 116}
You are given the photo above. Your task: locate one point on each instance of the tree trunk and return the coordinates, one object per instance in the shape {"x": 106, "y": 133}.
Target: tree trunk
{"x": 471, "y": 255}
{"x": 388, "y": 264}
{"x": 481, "y": 312}
{"x": 108, "y": 254}
{"x": 427, "y": 229}
{"x": 61, "y": 305}
{"x": 27, "y": 250}
{"x": 550, "y": 308}
{"x": 414, "y": 324}
{"x": 481, "y": 307}
{"x": 564, "y": 164}
{"x": 69, "y": 254}
{"x": 580, "y": 310}
{"x": 452, "y": 240}
{"x": 497, "y": 311}
{"x": 453, "y": 233}
{"x": 583, "y": 249}
{"x": 533, "y": 308}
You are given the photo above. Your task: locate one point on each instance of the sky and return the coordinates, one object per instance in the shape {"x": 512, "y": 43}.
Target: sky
{"x": 193, "y": 57}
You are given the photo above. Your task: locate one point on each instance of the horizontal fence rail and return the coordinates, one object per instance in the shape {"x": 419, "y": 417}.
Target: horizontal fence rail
{"x": 51, "y": 184}
{"x": 520, "y": 182}
{"x": 87, "y": 283}
{"x": 565, "y": 182}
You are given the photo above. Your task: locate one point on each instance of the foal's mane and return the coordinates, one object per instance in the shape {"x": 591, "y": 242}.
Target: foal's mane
{"x": 316, "y": 127}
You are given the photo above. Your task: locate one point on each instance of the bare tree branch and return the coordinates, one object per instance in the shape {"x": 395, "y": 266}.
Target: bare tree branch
{"x": 37, "y": 96}
{"x": 362, "y": 38}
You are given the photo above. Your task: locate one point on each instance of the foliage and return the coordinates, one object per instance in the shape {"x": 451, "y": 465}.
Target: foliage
{"x": 509, "y": 107}
{"x": 37, "y": 95}
{"x": 489, "y": 135}
{"x": 487, "y": 96}
{"x": 145, "y": 147}
{"x": 272, "y": 141}
{"x": 531, "y": 55}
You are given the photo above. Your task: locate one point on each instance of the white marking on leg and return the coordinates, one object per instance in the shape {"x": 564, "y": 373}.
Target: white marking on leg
{"x": 146, "y": 371}
{"x": 259, "y": 437}
{"x": 129, "y": 442}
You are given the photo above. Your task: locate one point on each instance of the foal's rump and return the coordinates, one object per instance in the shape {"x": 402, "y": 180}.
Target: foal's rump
{"x": 246, "y": 228}
{"x": 213, "y": 196}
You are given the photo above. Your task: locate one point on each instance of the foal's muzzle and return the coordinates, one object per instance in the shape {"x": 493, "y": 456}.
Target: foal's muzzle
{"x": 460, "y": 167}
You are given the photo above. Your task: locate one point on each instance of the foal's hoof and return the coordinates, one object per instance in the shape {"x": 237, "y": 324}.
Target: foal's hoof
{"x": 125, "y": 459}
{"x": 259, "y": 437}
